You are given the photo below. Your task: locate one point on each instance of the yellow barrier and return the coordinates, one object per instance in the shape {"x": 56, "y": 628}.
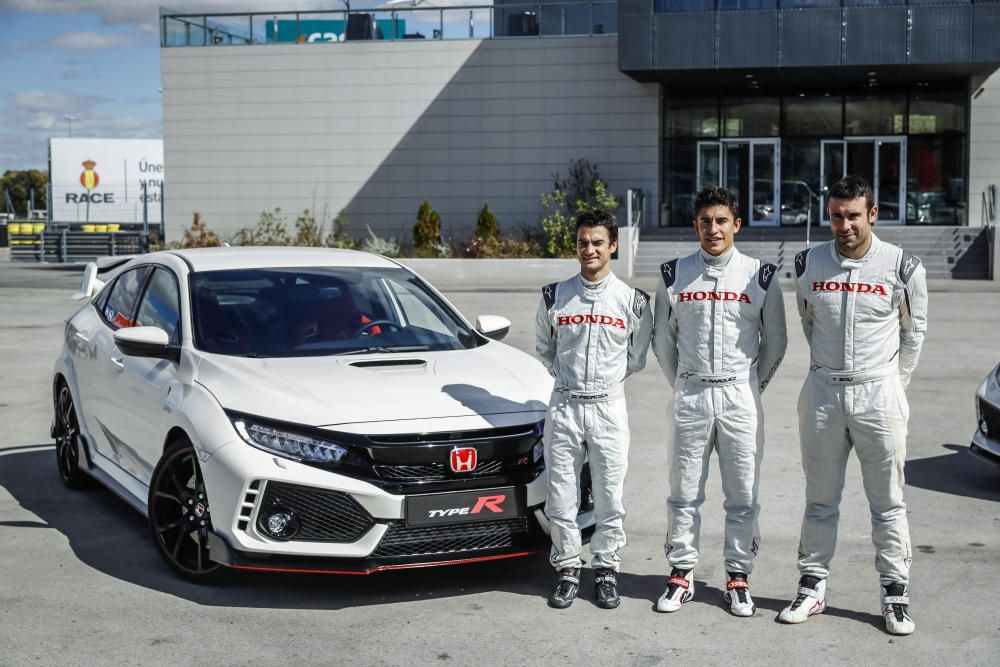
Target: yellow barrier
{"x": 39, "y": 227}
{"x": 114, "y": 227}
{"x": 89, "y": 228}
{"x": 14, "y": 228}
{"x": 100, "y": 228}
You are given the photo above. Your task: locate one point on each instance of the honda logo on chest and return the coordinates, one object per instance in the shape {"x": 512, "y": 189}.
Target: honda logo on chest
{"x": 463, "y": 459}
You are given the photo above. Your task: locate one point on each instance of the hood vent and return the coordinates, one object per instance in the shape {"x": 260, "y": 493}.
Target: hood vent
{"x": 389, "y": 363}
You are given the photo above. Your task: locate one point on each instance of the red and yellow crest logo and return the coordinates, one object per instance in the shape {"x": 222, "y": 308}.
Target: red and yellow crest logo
{"x": 89, "y": 178}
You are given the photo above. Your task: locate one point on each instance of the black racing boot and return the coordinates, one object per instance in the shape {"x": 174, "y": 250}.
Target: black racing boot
{"x": 606, "y": 588}
{"x": 566, "y": 588}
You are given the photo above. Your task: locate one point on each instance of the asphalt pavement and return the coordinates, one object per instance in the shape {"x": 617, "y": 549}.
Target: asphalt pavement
{"x": 81, "y": 583}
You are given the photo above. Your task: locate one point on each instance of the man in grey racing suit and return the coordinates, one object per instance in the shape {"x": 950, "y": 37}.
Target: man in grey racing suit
{"x": 863, "y": 305}
{"x": 592, "y": 331}
{"x": 719, "y": 336}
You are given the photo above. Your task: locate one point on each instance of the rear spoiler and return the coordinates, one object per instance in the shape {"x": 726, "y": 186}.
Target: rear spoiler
{"x": 91, "y": 285}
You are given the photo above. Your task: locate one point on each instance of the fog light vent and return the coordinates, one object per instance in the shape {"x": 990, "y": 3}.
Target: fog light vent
{"x": 984, "y": 428}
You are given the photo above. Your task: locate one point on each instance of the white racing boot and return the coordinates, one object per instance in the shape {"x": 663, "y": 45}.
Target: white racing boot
{"x": 809, "y": 601}
{"x": 896, "y": 609}
{"x": 680, "y": 589}
{"x": 737, "y": 595}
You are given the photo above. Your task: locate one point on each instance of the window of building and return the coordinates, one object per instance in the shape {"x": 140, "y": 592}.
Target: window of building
{"x": 814, "y": 115}
{"x": 751, "y": 117}
{"x": 875, "y": 114}
{"x": 936, "y": 113}
{"x": 687, "y": 117}
{"x": 679, "y": 169}
{"x": 725, "y": 5}
{"x": 660, "y": 6}
{"x": 800, "y": 161}
{"x": 935, "y": 183}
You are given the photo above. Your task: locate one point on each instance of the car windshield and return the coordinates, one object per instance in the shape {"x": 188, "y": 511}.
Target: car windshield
{"x": 299, "y": 312}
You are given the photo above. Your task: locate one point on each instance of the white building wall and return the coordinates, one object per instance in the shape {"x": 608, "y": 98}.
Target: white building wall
{"x": 376, "y": 127}
{"x": 984, "y": 144}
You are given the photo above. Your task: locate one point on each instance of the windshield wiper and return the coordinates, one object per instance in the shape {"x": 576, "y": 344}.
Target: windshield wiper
{"x": 396, "y": 348}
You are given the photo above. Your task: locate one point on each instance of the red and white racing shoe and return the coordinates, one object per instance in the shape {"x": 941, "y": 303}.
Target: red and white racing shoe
{"x": 809, "y": 601}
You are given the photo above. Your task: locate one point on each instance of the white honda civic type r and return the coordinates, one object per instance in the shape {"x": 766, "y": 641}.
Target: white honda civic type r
{"x": 301, "y": 409}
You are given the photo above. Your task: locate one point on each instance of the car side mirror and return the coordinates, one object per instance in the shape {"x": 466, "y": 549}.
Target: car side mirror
{"x": 147, "y": 342}
{"x": 493, "y": 326}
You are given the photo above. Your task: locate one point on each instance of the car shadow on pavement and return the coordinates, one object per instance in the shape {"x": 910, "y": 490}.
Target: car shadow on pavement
{"x": 958, "y": 473}
{"x": 109, "y": 536}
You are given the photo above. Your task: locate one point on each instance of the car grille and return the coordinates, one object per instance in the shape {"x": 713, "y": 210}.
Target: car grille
{"x": 401, "y": 541}
{"x": 991, "y": 415}
{"x": 324, "y": 516}
{"x": 433, "y": 472}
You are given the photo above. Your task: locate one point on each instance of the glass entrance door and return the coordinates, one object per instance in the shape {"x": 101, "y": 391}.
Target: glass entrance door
{"x": 879, "y": 160}
{"x": 749, "y": 168}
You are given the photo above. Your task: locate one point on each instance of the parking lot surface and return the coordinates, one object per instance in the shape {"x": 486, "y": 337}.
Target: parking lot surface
{"x": 81, "y": 583}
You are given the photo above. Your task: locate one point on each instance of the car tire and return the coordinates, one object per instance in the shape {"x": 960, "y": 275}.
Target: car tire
{"x": 180, "y": 517}
{"x": 68, "y": 443}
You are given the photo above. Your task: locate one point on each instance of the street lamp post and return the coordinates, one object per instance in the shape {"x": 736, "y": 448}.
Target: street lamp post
{"x": 70, "y": 120}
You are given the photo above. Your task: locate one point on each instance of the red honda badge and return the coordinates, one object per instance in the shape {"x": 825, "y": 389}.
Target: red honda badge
{"x": 463, "y": 459}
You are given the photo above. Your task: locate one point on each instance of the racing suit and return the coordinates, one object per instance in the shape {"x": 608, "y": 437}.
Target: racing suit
{"x": 590, "y": 336}
{"x": 719, "y": 336}
{"x": 865, "y": 321}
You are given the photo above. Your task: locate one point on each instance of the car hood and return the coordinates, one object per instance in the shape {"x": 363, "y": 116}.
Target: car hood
{"x": 493, "y": 379}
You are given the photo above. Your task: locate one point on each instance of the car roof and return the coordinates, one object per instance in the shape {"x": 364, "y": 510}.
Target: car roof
{"x": 248, "y": 257}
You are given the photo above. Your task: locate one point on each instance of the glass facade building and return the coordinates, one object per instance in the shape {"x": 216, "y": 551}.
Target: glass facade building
{"x": 779, "y": 149}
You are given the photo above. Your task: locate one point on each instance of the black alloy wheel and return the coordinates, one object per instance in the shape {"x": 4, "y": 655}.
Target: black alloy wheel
{"x": 179, "y": 516}
{"x": 68, "y": 441}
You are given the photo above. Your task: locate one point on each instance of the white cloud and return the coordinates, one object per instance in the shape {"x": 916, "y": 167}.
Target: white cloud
{"x": 29, "y": 119}
{"x": 89, "y": 41}
{"x": 55, "y": 100}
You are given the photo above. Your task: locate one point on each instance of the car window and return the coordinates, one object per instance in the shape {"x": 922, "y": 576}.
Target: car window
{"x": 161, "y": 305}
{"x": 318, "y": 311}
{"x": 121, "y": 300}
{"x": 418, "y": 309}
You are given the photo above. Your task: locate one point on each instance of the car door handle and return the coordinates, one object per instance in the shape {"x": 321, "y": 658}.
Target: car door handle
{"x": 118, "y": 363}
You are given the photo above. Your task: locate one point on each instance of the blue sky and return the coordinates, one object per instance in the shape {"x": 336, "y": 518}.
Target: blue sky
{"x": 95, "y": 60}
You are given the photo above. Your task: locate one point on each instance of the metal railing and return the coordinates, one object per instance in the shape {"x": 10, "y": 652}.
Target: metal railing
{"x": 73, "y": 244}
{"x": 597, "y": 17}
{"x": 988, "y": 220}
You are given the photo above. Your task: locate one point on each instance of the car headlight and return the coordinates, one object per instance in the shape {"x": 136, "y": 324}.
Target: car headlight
{"x": 996, "y": 375}
{"x": 289, "y": 445}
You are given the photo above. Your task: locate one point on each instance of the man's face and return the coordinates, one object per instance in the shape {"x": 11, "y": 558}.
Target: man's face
{"x": 851, "y": 223}
{"x": 594, "y": 248}
{"x": 716, "y": 226}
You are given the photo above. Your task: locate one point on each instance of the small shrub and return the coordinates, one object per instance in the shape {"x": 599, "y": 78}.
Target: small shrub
{"x": 427, "y": 231}
{"x": 270, "y": 230}
{"x": 198, "y": 235}
{"x": 487, "y": 226}
{"x": 307, "y": 231}
{"x": 583, "y": 191}
{"x": 338, "y": 237}
{"x": 376, "y": 244}
{"x": 558, "y": 226}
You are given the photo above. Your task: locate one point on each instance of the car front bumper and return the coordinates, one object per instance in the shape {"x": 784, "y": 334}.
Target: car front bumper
{"x": 986, "y": 439}
{"x": 365, "y": 526}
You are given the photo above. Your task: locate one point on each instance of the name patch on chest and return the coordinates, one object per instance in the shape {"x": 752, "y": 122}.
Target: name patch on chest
{"x": 604, "y": 320}
{"x": 715, "y": 296}
{"x": 861, "y": 288}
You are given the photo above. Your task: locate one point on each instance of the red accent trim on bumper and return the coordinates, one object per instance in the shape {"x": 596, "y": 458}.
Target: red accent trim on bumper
{"x": 385, "y": 568}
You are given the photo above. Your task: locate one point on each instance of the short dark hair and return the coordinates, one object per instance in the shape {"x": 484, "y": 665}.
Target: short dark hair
{"x": 598, "y": 219}
{"x": 852, "y": 187}
{"x": 716, "y": 196}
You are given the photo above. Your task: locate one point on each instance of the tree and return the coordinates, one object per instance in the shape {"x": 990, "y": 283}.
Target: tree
{"x": 487, "y": 226}
{"x": 427, "y": 231}
{"x": 19, "y": 184}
